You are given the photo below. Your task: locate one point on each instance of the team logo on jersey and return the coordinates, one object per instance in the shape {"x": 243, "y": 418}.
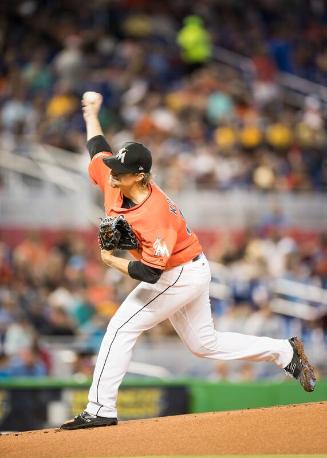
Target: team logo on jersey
{"x": 160, "y": 248}
{"x": 121, "y": 155}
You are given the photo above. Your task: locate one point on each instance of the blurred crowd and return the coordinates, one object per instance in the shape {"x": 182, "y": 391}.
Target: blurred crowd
{"x": 55, "y": 289}
{"x": 208, "y": 125}
{"x": 51, "y": 292}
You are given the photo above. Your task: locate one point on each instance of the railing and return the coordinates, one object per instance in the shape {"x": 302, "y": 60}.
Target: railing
{"x": 292, "y": 298}
{"x": 294, "y": 89}
{"x": 59, "y": 194}
{"x": 62, "y": 195}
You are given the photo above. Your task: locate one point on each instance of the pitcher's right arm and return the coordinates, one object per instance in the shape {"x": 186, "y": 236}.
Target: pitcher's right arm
{"x": 97, "y": 145}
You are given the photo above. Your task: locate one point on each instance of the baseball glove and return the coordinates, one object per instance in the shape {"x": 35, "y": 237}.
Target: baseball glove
{"x": 116, "y": 233}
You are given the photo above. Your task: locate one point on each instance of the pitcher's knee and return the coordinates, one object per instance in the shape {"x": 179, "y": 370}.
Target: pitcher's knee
{"x": 201, "y": 352}
{"x": 204, "y": 349}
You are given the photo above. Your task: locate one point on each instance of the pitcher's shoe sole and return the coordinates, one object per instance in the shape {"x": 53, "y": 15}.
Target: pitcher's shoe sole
{"x": 299, "y": 367}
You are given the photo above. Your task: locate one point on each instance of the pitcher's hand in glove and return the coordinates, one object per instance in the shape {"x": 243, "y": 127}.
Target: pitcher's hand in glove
{"x": 116, "y": 233}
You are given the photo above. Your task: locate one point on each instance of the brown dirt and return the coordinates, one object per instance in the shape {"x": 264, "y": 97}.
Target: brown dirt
{"x": 291, "y": 429}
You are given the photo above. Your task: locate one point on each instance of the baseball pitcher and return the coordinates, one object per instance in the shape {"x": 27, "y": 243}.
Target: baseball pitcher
{"x": 173, "y": 272}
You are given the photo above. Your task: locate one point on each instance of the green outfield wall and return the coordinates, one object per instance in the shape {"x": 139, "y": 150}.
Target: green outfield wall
{"x": 210, "y": 396}
{"x": 50, "y": 401}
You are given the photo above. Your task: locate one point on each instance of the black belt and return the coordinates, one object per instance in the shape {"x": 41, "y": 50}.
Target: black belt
{"x": 197, "y": 257}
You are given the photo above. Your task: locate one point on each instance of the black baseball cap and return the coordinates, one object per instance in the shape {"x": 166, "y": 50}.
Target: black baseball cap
{"x": 131, "y": 158}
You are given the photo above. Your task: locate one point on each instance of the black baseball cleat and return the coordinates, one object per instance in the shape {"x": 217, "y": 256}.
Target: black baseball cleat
{"x": 299, "y": 367}
{"x": 87, "y": 420}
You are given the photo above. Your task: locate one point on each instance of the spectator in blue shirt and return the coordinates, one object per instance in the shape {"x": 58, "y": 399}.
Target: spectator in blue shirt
{"x": 27, "y": 364}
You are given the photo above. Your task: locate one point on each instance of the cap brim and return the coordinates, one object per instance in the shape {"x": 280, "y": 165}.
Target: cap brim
{"x": 115, "y": 165}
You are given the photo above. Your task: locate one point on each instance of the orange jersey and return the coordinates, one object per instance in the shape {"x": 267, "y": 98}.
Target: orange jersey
{"x": 164, "y": 238}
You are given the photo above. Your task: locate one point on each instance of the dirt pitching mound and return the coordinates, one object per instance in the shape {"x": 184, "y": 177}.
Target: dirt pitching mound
{"x": 284, "y": 430}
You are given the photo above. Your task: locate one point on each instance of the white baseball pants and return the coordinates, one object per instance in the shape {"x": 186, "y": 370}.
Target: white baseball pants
{"x": 182, "y": 295}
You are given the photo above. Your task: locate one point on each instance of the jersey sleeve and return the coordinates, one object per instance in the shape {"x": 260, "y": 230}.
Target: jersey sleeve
{"x": 98, "y": 171}
{"x": 98, "y": 149}
{"x": 97, "y": 144}
{"x": 157, "y": 247}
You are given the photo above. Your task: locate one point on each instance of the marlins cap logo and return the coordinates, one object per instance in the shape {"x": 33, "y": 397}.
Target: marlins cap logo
{"x": 121, "y": 155}
{"x": 160, "y": 248}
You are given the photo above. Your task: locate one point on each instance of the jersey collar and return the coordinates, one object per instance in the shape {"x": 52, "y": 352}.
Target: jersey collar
{"x": 125, "y": 210}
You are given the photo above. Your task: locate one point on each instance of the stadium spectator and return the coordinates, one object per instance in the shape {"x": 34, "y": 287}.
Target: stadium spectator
{"x": 195, "y": 42}
{"x": 27, "y": 363}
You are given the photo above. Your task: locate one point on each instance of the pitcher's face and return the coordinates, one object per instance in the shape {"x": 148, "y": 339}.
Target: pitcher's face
{"x": 124, "y": 181}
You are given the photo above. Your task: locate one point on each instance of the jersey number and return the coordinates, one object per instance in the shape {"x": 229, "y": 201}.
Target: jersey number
{"x": 188, "y": 230}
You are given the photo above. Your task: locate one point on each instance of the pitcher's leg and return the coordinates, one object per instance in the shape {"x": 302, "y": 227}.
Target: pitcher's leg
{"x": 145, "y": 307}
{"x": 194, "y": 325}
{"x": 130, "y": 320}
{"x": 232, "y": 345}
{"x": 104, "y": 403}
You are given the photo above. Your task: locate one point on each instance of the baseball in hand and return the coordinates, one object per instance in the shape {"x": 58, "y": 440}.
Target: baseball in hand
{"x": 90, "y": 97}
